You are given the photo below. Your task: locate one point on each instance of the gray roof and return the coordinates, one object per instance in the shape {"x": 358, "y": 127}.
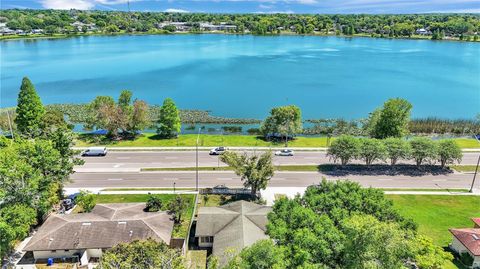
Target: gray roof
{"x": 234, "y": 226}
{"x": 106, "y": 226}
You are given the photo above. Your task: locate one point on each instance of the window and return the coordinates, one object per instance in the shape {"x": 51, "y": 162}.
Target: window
{"x": 66, "y": 250}
{"x": 206, "y": 239}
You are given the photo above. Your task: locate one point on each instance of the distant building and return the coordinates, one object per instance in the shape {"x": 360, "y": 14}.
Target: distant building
{"x": 86, "y": 236}
{"x": 231, "y": 227}
{"x": 423, "y": 31}
{"x": 80, "y": 26}
{"x": 467, "y": 240}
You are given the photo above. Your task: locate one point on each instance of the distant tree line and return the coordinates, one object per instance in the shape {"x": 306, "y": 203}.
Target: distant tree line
{"x": 460, "y": 26}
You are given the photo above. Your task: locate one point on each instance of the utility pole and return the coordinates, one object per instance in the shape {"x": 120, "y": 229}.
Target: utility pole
{"x": 196, "y": 160}
{"x": 10, "y": 124}
{"x": 476, "y": 168}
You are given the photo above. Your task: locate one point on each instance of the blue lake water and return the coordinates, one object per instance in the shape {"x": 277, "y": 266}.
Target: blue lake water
{"x": 244, "y": 76}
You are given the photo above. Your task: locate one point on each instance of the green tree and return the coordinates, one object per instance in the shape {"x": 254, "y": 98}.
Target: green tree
{"x": 139, "y": 119}
{"x": 423, "y": 149}
{"x": 255, "y": 171}
{"x": 169, "y": 121}
{"x": 391, "y": 120}
{"x": 86, "y": 201}
{"x": 177, "y": 208}
{"x": 344, "y": 148}
{"x": 448, "y": 152}
{"x": 148, "y": 254}
{"x": 371, "y": 150}
{"x": 284, "y": 121}
{"x": 397, "y": 149}
{"x": 374, "y": 244}
{"x": 30, "y": 110}
{"x": 154, "y": 203}
{"x": 7, "y": 238}
{"x": 262, "y": 255}
{"x": 427, "y": 255}
{"x": 20, "y": 217}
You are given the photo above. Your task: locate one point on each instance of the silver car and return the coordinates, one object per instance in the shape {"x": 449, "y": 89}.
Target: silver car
{"x": 284, "y": 152}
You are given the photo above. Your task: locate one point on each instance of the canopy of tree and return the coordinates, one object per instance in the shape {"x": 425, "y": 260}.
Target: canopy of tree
{"x": 283, "y": 122}
{"x": 340, "y": 225}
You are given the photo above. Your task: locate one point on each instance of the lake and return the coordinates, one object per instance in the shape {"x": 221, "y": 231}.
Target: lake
{"x": 244, "y": 76}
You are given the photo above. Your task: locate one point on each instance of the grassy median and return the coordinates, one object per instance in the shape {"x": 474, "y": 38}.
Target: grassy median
{"x": 189, "y": 140}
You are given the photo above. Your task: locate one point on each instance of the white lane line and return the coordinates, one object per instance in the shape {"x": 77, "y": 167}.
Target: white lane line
{"x": 170, "y": 178}
{"x": 123, "y": 158}
{"x": 385, "y": 179}
{"x": 115, "y": 179}
{"x": 117, "y": 165}
{"x": 171, "y": 158}
{"x": 439, "y": 180}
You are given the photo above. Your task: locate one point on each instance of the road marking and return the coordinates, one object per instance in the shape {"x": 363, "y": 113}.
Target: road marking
{"x": 171, "y": 158}
{"x": 115, "y": 179}
{"x": 123, "y": 158}
{"x": 439, "y": 180}
{"x": 385, "y": 179}
{"x": 170, "y": 178}
{"x": 117, "y": 165}
{"x": 225, "y": 178}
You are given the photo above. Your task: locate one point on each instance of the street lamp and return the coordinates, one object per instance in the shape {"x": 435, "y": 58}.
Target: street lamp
{"x": 196, "y": 160}
{"x": 476, "y": 169}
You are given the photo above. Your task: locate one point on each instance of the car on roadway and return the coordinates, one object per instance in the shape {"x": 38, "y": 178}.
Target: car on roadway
{"x": 284, "y": 152}
{"x": 95, "y": 151}
{"x": 218, "y": 151}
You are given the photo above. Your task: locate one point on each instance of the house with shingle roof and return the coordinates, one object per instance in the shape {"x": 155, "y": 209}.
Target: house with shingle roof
{"x": 231, "y": 227}
{"x": 467, "y": 240}
{"x": 86, "y": 236}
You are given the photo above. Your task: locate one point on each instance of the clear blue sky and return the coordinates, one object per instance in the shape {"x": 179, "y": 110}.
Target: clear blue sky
{"x": 258, "y": 6}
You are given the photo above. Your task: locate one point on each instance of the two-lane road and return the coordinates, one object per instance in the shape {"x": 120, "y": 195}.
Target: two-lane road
{"x": 281, "y": 179}
{"x": 135, "y": 160}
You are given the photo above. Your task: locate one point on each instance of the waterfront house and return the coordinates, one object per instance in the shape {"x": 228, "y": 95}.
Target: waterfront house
{"x": 84, "y": 237}
{"x": 231, "y": 227}
{"x": 467, "y": 241}
{"x": 422, "y": 31}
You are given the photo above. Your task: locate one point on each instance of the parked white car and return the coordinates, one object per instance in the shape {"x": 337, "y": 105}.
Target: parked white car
{"x": 218, "y": 151}
{"x": 95, "y": 151}
{"x": 284, "y": 152}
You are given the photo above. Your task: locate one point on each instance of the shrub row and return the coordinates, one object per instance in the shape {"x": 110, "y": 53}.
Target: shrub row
{"x": 420, "y": 149}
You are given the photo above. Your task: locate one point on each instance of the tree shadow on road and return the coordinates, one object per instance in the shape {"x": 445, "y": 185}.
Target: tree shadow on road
{"x": 383, "y": 170}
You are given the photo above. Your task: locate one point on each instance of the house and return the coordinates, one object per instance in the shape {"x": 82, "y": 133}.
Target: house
{"x": 231, "y": 227}
{"x": 86, "y": 236}
{"x": 467, "y": 240}
{"x": 422, "y": 31}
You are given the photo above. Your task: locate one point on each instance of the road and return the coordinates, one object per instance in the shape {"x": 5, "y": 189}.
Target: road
{"x": 117, "y": 161}
{"x": 281, "y": 179}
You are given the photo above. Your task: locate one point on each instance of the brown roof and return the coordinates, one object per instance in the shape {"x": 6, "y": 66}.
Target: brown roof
{"x": 476, "y": 221}
{"x": 106, "y": 226}
{"x": 470, "y": 238}
{"x": 234, "y": 226}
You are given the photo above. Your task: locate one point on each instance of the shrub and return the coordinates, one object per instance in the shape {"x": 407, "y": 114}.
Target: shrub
{"x": 371, "y": 150}
{"x": 448, "y": 152}
{"x": 344, "y": 148}
{"x": 423, "y": 149}
{"x": 154, "y": 203}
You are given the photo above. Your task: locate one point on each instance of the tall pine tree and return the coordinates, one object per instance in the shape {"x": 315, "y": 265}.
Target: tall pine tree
{"x": 30, "y": 110}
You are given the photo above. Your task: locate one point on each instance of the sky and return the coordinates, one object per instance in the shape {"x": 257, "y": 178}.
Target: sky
{"x": 258, "y": 6}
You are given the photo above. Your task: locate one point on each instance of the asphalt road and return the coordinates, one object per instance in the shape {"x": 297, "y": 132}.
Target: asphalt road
{"x": 132, "y": 161}
{"x": 281, "y": 179}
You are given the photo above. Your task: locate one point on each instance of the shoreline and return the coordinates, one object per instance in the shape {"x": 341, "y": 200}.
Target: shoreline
{"x": 65, "y": 36}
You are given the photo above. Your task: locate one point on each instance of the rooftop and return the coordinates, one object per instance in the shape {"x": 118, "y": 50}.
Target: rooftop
{"x": 234, "y": 225}
{"x": 106, "y": 226}
{"x": 470, "y": 238}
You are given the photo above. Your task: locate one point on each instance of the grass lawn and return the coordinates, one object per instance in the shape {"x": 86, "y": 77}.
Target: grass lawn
{"x": 189, "y": 140}
{"x": 464, "y": 168}
{"x": 179, "y": 231}
{"x": 308, "y": 168}
{"x": 435, "y": 214}
{"x": 196, "y": 259}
